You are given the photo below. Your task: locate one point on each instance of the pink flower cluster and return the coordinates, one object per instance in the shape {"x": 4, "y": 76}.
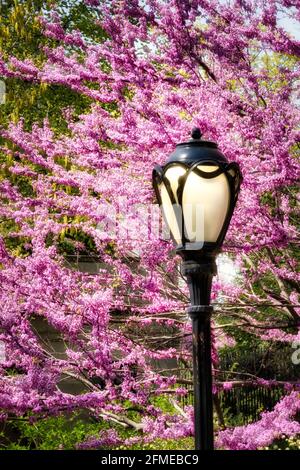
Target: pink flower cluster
{"x": 276, "y": 424}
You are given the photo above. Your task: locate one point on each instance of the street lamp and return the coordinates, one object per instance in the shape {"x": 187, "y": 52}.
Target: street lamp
{"x": 197, "y": 190}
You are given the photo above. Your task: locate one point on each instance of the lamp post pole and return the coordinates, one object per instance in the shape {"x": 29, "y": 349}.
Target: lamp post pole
{"x": 199, "y": 274}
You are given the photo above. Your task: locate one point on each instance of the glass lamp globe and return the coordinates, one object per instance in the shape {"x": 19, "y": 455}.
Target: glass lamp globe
{"x": 197, "y": 190}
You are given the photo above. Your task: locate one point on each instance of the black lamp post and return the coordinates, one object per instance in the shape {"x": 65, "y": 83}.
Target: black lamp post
{"x": 197, "y": 190}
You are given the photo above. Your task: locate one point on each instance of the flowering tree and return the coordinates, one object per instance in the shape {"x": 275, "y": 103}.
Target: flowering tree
{"x": 157, "y": 69}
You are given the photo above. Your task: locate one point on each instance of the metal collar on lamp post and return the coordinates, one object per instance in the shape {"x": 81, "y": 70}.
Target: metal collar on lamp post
{"x": 197, "y": 190}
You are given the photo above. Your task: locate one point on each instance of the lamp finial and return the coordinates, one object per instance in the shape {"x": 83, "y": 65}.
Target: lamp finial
{"x": 196, "y": 133}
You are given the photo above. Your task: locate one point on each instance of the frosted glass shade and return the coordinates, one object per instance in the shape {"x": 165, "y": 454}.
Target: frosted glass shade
{"x": 205, "y": 203}
{"x": 209, "y": 195}
{"x": 172, "y": 213}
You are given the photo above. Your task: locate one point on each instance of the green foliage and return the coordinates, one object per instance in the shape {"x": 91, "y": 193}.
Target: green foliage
{"x": 15, "y": 244}
{"x": 21, "y": 36}
{"x": 285, "y": 443}
{"x": 59, "y": 432}
{"x": 20, "y": 30}
{"x": 66, "y": 431}
{"x": 163, "y": 444}
{"x": 70, "y": 235}
{"x": 33, "y": 102}
{"x": 164, "y": 404}
{"x": 76, "y": 14}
